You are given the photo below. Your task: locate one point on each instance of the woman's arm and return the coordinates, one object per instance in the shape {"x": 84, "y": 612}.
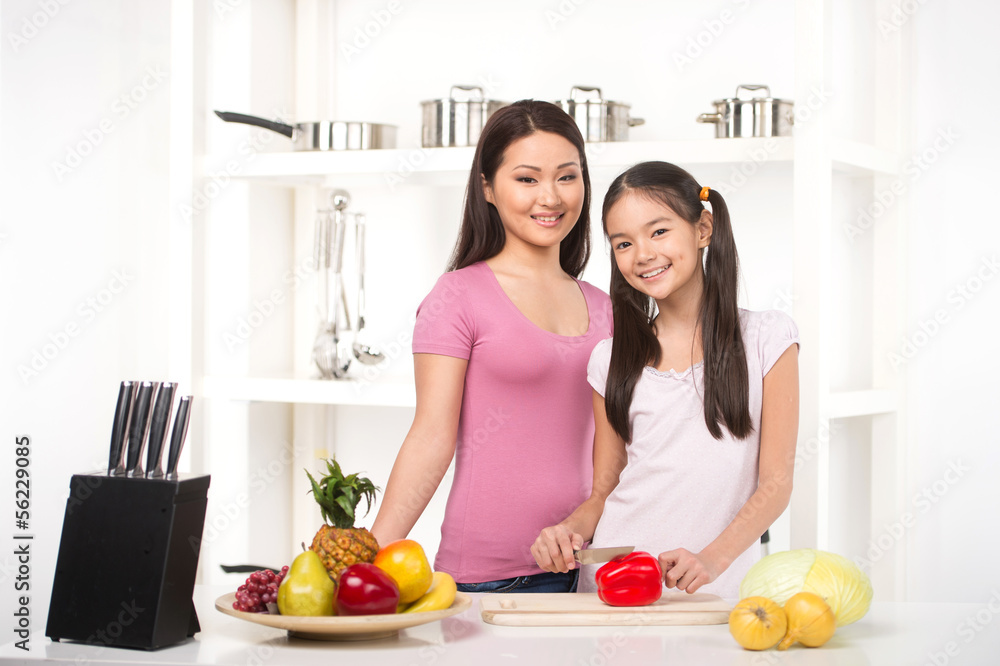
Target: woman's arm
{"x": 553, "y": 549}
{"x": 428, "y": 448}
{"x": 779, "y": 426}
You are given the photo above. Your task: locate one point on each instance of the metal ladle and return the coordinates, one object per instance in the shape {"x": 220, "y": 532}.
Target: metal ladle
{"x": 330, "y": 249}
{"x": 365, "y": 353}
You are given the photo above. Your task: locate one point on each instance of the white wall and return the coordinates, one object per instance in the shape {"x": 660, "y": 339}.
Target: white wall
{"x": 61, "y": 241}
{"x": 954, "y": 246}
{"x": 82, "y": 249}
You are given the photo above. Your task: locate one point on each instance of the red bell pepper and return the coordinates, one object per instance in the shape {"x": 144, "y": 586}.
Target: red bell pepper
{"x": 630, "y": 580}
{"x": 366, "y": 590}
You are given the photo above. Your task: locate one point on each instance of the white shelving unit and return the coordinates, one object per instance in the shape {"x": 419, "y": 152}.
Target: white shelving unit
{"x": 816, "y": 156}
{"x": 311, "y": 391}
{"x": 450, "y": 166}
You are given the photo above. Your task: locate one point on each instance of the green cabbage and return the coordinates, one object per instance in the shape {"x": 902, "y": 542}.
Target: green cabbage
{"x": 839, "y": 581}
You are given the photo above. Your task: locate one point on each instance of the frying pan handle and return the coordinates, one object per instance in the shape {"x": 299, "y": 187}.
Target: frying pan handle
{"x": 273, "y": 125}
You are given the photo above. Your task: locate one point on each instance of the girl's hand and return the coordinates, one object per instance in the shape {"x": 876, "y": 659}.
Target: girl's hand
{"x": 553, "y": 549}
{"x": 686, "y": 570}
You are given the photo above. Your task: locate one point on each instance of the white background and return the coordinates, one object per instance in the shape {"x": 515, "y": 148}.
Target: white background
{"x": 95, "y": 236}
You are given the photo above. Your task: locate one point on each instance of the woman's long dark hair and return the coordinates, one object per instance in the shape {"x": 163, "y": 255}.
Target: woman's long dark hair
{"x": 482, "y": 234}
{"x": 635, "y": 345}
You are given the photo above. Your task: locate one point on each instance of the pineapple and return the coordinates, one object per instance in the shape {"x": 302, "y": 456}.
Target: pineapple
{"x": 342, "y": 544}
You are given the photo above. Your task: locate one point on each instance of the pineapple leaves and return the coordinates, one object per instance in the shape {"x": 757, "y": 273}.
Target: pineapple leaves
{"x": 348, "y": 509}
{"x": 338, "y": 496}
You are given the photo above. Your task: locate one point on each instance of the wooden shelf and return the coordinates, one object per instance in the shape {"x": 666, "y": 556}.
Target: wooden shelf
{"x": 397, "y": 393}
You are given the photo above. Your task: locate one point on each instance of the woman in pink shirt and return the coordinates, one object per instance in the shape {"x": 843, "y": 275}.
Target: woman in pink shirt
{"x": 501, "y": 346}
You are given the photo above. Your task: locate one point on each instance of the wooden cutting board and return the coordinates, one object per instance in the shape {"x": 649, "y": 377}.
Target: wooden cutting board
{"x": 570, "y": 609}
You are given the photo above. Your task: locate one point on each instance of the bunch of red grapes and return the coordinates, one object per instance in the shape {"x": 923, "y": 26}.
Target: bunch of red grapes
{"x": 260, "y": 589}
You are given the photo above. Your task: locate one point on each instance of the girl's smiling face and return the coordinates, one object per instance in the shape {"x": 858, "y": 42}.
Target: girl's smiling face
{"x": 657, "y": 251}
{"x": 538, "y": 189}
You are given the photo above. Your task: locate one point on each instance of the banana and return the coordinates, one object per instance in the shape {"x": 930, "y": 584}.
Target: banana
{"x": 439, "y": 595}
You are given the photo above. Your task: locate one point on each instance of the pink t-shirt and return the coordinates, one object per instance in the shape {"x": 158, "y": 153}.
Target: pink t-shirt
{"x": 523, "y": 459}
{"x": 681, "y": 487}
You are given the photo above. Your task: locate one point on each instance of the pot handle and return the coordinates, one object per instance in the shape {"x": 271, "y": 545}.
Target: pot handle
{"x": 273, "y": 125}
{"x": 585, "y": 89}
{"x": 633, "y": 122}
{"x": 469, "y": 89}
{"x": 747, "y": 86}
{"x": 709, "y": 118}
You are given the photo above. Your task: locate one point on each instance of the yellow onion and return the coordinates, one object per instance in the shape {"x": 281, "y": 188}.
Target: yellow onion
{"x": 810, "y": 621}
{"x": 841, "y": 584}
{"x": 757, "y": 623}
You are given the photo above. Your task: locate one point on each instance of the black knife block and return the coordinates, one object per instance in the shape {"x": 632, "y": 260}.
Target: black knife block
{"x": 127, "y": 561}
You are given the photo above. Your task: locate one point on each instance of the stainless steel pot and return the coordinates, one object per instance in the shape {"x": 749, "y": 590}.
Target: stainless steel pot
{"x": 457, "y": 122}
{"x": 758, "y": 116}
{"x": 323, "y": 134}
{"x": 598, "y": 119}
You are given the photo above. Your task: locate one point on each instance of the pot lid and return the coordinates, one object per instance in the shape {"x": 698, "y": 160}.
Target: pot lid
{"x": 596, "y": 97}
{"x": 469, "y": 97}
{"x": 754, "y": 98}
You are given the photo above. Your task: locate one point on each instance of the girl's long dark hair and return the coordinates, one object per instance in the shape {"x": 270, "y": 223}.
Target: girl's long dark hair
{"x": 482, "y": 234}
{"x": 634, "y": 344}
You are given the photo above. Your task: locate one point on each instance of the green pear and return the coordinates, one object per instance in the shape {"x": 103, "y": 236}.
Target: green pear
{"x": 307, "y": 589}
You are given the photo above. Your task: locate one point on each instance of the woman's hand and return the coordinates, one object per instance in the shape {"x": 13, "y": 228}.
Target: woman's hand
{"x": 686, "y": 570}
{"x": 553, "y": 549}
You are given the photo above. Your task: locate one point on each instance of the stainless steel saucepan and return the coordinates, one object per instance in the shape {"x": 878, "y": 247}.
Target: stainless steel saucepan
{"x": 455, "y": 121}
{"x": 323, "y": 134}
{"x": 599, "y": 119}
{"x": 755, "y": 117}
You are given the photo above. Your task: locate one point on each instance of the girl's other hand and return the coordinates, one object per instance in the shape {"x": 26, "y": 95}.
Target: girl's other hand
{"x": 686, "y": 570}
{"x": 553, "y": 549}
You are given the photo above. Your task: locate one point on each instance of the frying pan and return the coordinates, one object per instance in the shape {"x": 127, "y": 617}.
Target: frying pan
{"x": 323, "y": 134}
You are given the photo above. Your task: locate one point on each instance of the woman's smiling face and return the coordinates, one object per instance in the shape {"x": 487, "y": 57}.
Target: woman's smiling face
{"x": 657, "y": 251}
{"x": 538, "y": 189}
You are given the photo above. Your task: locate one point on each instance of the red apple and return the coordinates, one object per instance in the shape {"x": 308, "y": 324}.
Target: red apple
{"x": 366, "y": 590}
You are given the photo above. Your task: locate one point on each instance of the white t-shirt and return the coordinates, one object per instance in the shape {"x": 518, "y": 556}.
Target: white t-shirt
{"x": 681, "y": 487}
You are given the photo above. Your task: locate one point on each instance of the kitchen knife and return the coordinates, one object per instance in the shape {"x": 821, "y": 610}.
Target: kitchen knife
{"x": 178, "y": 435}
{"x": 119, "y": 429}
{"x": 139, "y": 427}
{"x": 596, "y": 555}
{"x": 158, "y": 428}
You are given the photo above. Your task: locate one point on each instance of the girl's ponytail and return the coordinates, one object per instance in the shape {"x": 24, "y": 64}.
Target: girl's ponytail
{"x": 727, "y": 388}
{"x": 633, "y": 346}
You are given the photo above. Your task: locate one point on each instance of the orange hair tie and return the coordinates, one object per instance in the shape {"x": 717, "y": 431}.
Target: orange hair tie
{"x": 704, "y": 193}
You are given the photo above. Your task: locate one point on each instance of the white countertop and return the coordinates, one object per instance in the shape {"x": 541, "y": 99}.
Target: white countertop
{"x": 892, "y": 633}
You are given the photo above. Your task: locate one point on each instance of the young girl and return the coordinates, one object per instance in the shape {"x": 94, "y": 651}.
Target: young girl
{"x": 501, "y": 347}
{"x": 695, "y": 400}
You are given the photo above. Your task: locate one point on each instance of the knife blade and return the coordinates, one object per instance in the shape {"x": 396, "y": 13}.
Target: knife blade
{"x": 119, "y": 428}
{"x": 596, "y": 555}
{"x": 139, "y": 428}
{"x": 158, "y": 428}
{"x": 178, "y": 435}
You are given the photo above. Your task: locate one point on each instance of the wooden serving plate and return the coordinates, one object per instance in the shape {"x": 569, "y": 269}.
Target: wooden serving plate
{"x": 348, "y": 628}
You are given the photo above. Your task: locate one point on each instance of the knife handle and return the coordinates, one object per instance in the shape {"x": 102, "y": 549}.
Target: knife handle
{"x": 139, "y": 427}
{"x": 158, "y": 428}
{"x": 178, "y": 435}
{"x": 119, "y": 429}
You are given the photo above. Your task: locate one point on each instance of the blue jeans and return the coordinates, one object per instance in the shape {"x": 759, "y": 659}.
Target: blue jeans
{"x": 543, "y": 582}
